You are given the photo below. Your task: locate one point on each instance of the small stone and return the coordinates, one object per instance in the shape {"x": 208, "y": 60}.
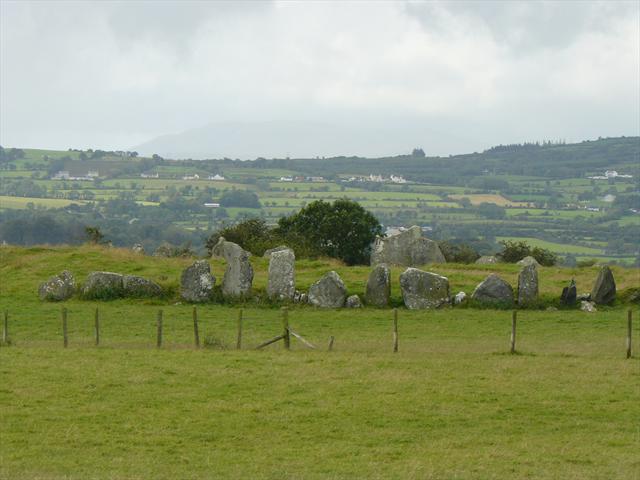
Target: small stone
{"x": 552, "y": 309}
{"x": 487, "y": 260}
{"x": 353, "y": 301}
{"x": 138, "y": 248}
{"x": 588, "y": 307}
{"x": 459, "y": 298}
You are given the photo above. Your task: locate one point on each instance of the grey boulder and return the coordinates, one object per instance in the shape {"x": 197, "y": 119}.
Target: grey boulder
{"x": 238, "y": 277}
{"x": 528, "y": 261}
{"x": 487, "y": 260}
{"x": 353, "y": 301}
{"x": 279, "y": 248}
{"x": 588, "y": 307}
{"x": 138, "y": 248}
{"x": 57, "y": 288}
{"x": 103, "y": 285}
{"x": 493, "y": 290}
{"x": 604, "y": 288}
{"x": 282, "y": 281}
{"x": 135, "y": 286}
{"x": 328, "y": 292}
{"x": 459, "y": 298}
{"x": 422, "y": 289}
{"x": 196, "y": 282}
{"x": 528, "y": 285}
{"x": 379, "y": 286}
{"x": 408, "y": 249}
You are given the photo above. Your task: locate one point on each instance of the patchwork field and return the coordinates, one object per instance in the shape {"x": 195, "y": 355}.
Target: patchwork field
{"x": 452, "y": 403}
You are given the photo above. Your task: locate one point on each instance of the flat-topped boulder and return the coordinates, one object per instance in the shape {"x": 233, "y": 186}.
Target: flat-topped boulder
{"x": 487, "y": 260}
{"x": 238, "y": 276}
{"x": 328, "y": 292}
{"x": 408, "y": 249}
{"x": 267, "y": 253}
{"x": 528, "y": 285}
{"x": 281, "y": 283}
{"x": 493, "y": 290}
{"x": 196, "y": 282}
{"x": 103, "y": 285}
{"x": 528, "y": 261}
{"x": 422, "y": 289}
{"x": 604, "y": 288}
{"x": 58, "y": 288}
{"x": 134, "y": 286}
{"x": 379, "y": 286}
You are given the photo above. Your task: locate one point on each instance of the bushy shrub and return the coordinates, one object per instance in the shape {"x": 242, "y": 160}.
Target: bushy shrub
{"x": 515, "y": 251}
{"x": 458, "y": 252}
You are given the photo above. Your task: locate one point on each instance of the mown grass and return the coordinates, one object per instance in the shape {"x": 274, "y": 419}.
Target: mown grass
{"x": 450, "y": 404}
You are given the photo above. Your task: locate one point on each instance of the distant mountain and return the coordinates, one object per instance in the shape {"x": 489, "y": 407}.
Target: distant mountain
{"x": 291, "y": 139}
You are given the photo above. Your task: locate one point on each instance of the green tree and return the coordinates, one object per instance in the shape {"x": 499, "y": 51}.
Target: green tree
{"x": 342, "y": 229}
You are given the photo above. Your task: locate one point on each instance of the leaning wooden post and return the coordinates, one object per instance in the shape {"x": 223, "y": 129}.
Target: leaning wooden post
{"x": 196, "y": 334}
{"x": 65, "y": 338}
{"x": 239, "y": 339}
{"x": 159, "y": 338}
{"x": 331, "y": 343}
{"x": 395, "y": 330}
{"x": 97, "y": 326}
{"x": 285, "y": 328}
{"x": 514, "y": 318}
{"x": 629, "y": 332}
{"x": 5, "y": 330}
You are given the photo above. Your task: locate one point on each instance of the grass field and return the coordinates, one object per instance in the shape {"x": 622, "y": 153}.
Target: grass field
{"x": 450, "y": 404}
{"x": 556, "y": 247}
{"x": 23, "y": 202}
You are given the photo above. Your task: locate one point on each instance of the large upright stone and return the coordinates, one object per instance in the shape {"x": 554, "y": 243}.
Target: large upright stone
{"x": 328, "y": 292}
{"x": 493, "y": 290}
{"x": 196, "y": 282}
{"x": 408, "y": 249}
{"x": 528, "y": 285}
{"x": 103, "y": 286}
{"x": 57, "y": 288}
{"x": 604, "y": 288}
{"x": 267, "y": 253}
{"x": 422, "y": 289}
{"x": 379, "y": 286}
{"x": 569, "y": 294}
{"x": 135, "y": 286}
{"x": 282, "y": 280}
{"x": 238, "y": 277}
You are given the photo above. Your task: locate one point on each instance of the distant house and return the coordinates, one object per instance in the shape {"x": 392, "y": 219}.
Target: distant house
{"x": 610, "y": 174}
{"x": 315, "y": 179}
{"x": 61, "y": 175}
{"x": 93, "y": 174}
{"x": 398, "y": 179}
{"x": 149, "y": 175}
{"x": 217, "y": 177}
{"x": 286, "y": 179}
{"x": 212, "y": 205}
{"x": 191, "y": 177}
{"x": 64, "y": 175}
{"x": 608, "y": 198}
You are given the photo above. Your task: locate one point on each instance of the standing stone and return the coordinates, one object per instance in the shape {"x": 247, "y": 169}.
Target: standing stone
{"x": 140, "y": 287}
{"x": 282, "y": 281}
{"x": 103, "y": 285}
{"x": 569, "y": 295}
{"x": 328, "y": 292}
{"x": 353, "y": 301}
{"x": 138, "y": 248}
{"x": 493, "y": 290}
{"x": 379, "y": 286}
{"x": 238, "y": 277}
{"x": 528, "y": 261}
{"x": 196, "y": 282}
{"x": 604, "y": 289}
{"x": 528, "y": 285}
{"x": 487, "y": 260}
{"x": 408, "y": 249}
{"x": 57, "y": 288}
{"x": 164, "y": 250}
{"x": 422, "y": 289}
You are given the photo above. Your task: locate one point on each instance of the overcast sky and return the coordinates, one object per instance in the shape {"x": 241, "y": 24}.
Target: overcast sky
{"x": 469, "y": 74}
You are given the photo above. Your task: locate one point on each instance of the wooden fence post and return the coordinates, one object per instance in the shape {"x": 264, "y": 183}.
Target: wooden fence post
{"x": 196, "y": 334}
{"x": 159, "y": 337}
{"x": 65, "y": 338}
{"x": 395, "y": 330}
{"x": 514, "y": 318}
{"x": 239, "y": 339}
{"x": 331, "y": 343}
{"x": 97, "y": 326}
{"x": 285, "y": 327}
{"x": 5, "y": 330}
{"x": 629, "y": 332}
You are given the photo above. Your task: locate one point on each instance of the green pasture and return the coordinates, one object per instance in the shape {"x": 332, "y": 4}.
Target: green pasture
{"x": 555, "y": 247}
